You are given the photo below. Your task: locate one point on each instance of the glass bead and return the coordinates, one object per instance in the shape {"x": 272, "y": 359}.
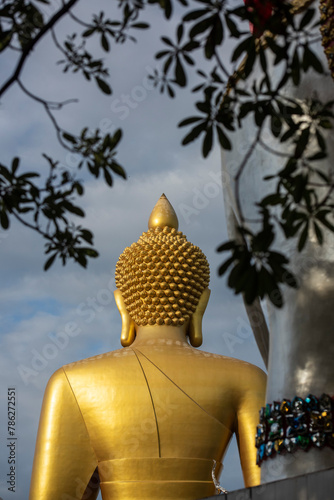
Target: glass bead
{"x": 297, "y": 404}
{"x": 287, "y": 426}
{"x": 290, "y": 432}
{"x": 279, "y": 445}
{"x": 276, "y": 430}
{"x": 262, "y": 450}
{"x": 325, "y": 402}
{"x": 302, "y": 429}
{"x": 312, "y": 403}
{"x": 318, "y": 439}
{"x": 290, "y": 444}
{"x": 328, "y": 421}
{"x": 269, "y": 448}
{"x": 260, "y": 435}
{"x": 316, "y": 421}
{"x": 276, "y": 409}
{"x": 285, "y": 406}
{"x": 289, "y": 419}
{"x": 303, "y": 442}
{"x": 297, "y": 422}
{"x": 267, "y": 412}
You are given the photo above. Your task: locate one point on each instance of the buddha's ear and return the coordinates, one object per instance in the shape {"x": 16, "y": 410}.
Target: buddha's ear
{"x": 195, "y": 323}
{"x": 128, "y": 333}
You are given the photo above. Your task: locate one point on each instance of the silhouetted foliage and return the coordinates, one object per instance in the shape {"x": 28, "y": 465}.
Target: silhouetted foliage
{"x": 222, "y": 102}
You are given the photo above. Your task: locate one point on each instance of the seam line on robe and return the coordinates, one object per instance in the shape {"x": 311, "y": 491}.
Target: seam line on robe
{"x": 187, "y": 395}
{"x": 151, "y": 396}
{"x": 90, "y": 442}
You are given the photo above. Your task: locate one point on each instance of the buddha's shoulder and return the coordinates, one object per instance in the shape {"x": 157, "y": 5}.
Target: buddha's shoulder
{"x": 100, "y": 361}
{"x": 241, "y": 367}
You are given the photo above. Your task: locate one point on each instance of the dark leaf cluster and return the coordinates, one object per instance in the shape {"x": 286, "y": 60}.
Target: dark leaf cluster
{"x": 47, "y": 210}
{"x": 257, "y": 270}
{"x": 20, "y": 20}
{"x": 225, "y": 99}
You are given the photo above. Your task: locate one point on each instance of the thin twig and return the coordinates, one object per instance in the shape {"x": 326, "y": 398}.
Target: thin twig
{"x": 240, "y": 172}
{"x": 221, "y": 65}
{"x": 272, "y": 150}
{"x": 46, "y": 105}
{"x": 31, "y": 226}
{"x": 79, "y": 21}
{"x": 57, "y": 44}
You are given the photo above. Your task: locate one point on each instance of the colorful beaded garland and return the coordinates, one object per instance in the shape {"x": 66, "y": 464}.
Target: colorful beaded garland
{"x": 291, "y": 425}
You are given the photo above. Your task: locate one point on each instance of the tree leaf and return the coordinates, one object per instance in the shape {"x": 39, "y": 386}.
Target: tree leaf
{"x": 167, "y": 41}
{"x": 195, "y": 14}
{"x": 194, "y": 133}
{"x": 50, "y": 261}
{"x": 73, "y": 208}
{"x": 303, "y": 237}
{"x": 322, "y": 217}
{"x": 318, "y": 233}
{"x": 244, "y": 46}
{"x": 87, "y": 235}
{"x": 207, "y": 142}
{"x": 276, "y": 125}
{"x": 4, "y": 221}
{"x": 229, "y": 245}
{"x": 180, "y": 75}
{"x": 88, "y": 32}
{"x": 251, "y": 285}
{"x": 91, "y": 252}
{"x": 103, "y": 85}
{"x": 306, "y": 19}
{"x": 233, "y": 29}
{"x": 223, "y": 267}
{"x": 104, "y": 42}
{"x": 311, "y": 60}
{"x": 201, "y": 26}
{"x": 15, "y": 164}
{"x": 107, "y": 177}
{"x": 295, "y": 68}
{"x": 140, "y": 26}
{"x": 118, "y": 169}
{"x": 189, "y": 121}
{"x": 179, "y": 32}
{"x": 69, "y": 137}
{"x": 289, "y": 279}
{"x": 223, "y": 139}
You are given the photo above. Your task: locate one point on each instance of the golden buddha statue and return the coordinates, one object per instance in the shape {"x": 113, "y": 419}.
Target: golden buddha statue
{"x": 149, "y": 420}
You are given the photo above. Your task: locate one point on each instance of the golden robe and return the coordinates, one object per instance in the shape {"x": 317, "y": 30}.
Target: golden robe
{"x": 151, "y": 419}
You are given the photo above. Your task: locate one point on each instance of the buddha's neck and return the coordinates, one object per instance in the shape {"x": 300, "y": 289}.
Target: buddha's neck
{"x": 149, "y": 334}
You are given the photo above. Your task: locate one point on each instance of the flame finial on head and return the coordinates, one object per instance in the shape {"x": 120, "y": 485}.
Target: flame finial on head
{"x": 163, "y": 214}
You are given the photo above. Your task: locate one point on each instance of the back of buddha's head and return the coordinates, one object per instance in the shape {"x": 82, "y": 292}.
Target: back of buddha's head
{"x": 163, "y": 275}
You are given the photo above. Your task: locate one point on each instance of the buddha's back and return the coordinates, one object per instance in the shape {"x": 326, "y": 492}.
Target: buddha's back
{"x": 158, "y": 415}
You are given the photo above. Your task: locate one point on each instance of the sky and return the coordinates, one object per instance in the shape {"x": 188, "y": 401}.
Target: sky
{"x": 68, "y": 313}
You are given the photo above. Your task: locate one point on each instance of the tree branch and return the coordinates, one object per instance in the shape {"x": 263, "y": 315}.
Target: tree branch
{"x": 272, "y": 150}
{"x": 25, "y": 53}
{"x": 241, "y": 169}
{"x": 47, "y": 106}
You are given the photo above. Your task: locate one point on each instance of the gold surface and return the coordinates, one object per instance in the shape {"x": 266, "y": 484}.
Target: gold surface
{"x": 150, "y": 418}
{"x": 162, "y": 275}
{"x": 163, "y": 214}
{"x": 327, "y": 31}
